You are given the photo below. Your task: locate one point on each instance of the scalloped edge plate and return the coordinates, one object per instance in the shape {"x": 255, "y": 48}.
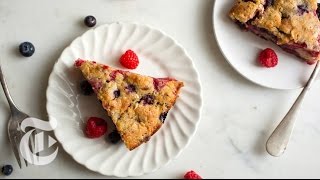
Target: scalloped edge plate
{"x": 160, "y": 56}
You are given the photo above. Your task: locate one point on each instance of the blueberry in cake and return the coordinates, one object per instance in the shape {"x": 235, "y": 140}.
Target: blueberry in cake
{"x": 137, "y": 104}
{"x": 291, "y": 24}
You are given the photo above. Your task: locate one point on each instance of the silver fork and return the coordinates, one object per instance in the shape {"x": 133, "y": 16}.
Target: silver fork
{"x": 14, "y": 131}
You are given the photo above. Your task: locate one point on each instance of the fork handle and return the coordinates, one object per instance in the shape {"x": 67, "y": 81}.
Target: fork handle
{"x": 6, "y": 92}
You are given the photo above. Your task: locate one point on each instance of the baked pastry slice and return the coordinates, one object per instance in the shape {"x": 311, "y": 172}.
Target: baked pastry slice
{"x": 137, "y": 104}
{"x": 291, "y": 24}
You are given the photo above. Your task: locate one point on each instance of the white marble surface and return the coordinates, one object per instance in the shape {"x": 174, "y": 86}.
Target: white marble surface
{"x": 237, "y": 116}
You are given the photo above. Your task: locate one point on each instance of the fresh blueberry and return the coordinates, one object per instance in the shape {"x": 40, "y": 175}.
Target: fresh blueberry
{"x": 163, "y": 116}
{"x": 302, "y": 9}
{"x": 86, "y": 88}
{"x": 116, "y": 93}
{"x": 114, "y": 137}
{"x": 7, "y": 170}
{"x": 26, "y": 49}
{"x": 131, "y": 88}
{"x": 90, "y": 21}
{"x": 147, "y": 99}
{"x": 269, "y": 3}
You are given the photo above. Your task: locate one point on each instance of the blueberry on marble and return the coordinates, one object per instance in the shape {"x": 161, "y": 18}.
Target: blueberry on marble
{"x": 90, "y": 21}
{"x": 7, "y": 170}
{"x": 26, "y": 49}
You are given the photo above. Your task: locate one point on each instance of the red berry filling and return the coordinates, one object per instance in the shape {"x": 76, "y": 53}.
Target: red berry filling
{"x": 113, "y": 74}
{"x": 268, "y": 58}
{"x": 159, "y": 83}
{"x": 79, "y": 62}
{"x": 311, "y": 62}
{"x": 105, "y": 67}
{"x": 96, "y": 127}
{"x": 96, "y": 84}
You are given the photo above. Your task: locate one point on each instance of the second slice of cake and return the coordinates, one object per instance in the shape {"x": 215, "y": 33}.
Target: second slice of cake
{"x": 291, "y": 24}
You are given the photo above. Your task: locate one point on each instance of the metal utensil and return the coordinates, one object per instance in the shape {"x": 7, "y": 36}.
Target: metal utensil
{"x": 14, "y": 131}
{"x": 279, "y": 139}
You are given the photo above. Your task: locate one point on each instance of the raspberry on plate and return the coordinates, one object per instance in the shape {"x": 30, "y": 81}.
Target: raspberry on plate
{"x": 96, "y": 127}
{"x": 129, "y": 60}
{"x": 192, "y": 175}
{"x": 268, "y": 58}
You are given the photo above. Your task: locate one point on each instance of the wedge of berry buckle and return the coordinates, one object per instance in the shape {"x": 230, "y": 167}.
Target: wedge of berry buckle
{"x": 137, "y": 104}
{"x": 291, "y": 24}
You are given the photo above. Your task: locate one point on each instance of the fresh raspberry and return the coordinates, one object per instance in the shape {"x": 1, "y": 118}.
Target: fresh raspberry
{"x": 129, "y": 60}
{"x": 192, "y": 175}
{"x": 96, "y": 127}
{"x": 268, "y": 58}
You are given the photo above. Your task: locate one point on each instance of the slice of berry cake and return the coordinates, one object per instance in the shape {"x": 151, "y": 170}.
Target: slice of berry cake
{"x": 137, "y": 104}
{"x": 291, "y": 24}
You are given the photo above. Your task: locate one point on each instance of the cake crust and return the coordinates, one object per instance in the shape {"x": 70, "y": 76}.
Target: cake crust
{"x": 137, "y": 104}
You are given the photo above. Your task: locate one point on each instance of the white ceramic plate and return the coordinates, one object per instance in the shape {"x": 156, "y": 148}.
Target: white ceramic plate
{"x": 241, "y": 50}
{"x": 160, "y": 56}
